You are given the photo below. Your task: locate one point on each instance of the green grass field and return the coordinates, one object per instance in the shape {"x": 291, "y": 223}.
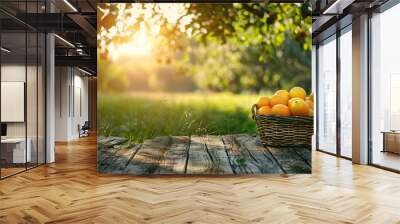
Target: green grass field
{"x": 140, "y": 116}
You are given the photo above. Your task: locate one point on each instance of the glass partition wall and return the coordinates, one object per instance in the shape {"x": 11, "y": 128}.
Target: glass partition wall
{"x": 326, "y": 113}
{"x": 13, "y": 110}
{"x": 334, "y": 62}
{"x": 385, "y": 89}
{"x": 345, "y": 90}
{"x": 22, "y": 78}
{"x": 334, "y": 94}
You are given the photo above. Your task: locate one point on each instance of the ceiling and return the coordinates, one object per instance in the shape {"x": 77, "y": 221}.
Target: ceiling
{"x": 329, "y": 15}
{"x": 73, "y": 22}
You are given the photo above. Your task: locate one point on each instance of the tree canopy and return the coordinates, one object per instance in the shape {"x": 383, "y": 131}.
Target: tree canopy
{"x": 223, "y": 47}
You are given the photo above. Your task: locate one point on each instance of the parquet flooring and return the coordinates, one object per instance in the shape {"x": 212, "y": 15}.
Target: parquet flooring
{"x": 7, "y": 171}
{"x": 71, "y": 191}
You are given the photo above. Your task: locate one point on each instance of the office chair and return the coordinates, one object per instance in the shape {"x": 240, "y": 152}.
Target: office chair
{"x": 84, "y": 130}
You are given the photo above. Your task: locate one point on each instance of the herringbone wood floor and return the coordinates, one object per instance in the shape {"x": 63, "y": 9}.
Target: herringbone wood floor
{"x": 70, "y": 191}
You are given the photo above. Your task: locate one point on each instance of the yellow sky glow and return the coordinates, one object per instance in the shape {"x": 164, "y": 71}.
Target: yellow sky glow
{"x": 137, "y": 43}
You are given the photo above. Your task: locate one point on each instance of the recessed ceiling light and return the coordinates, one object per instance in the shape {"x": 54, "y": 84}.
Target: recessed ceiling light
{"x": 64, "y": 40}
{"x": 84, "y": 71}
{"x": 70, "y": 5}
{"x": 5, "y": 50}
{"x": 337, "y": 7}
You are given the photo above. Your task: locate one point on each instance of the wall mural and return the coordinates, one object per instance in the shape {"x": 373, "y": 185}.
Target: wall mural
{"x": 204, "y": 89}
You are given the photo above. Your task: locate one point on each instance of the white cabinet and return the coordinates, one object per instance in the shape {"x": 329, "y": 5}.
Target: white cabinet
{"x": 19, "y": 155}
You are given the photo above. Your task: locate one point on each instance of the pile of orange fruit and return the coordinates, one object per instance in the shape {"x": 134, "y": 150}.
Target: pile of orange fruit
{"x": 294, "y": 102}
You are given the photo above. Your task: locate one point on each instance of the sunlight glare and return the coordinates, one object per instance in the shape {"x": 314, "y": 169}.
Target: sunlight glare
{"x": 123, "y": 41}
{"x": 139, "y": 45}
{"x": 172, "y": 11}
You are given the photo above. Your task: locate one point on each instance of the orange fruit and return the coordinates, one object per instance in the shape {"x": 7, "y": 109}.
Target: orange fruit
{"x": 311, "y": 112}
{"x": 310, "y": 103}
{"x": 293, "y": 99}
{"x": 299, "y": 107}
{"x": 280, "y": 110}
{"x": 311, "y": 97}
{"x": 278, "y": 99}
{"x": 262, "y": 101}
{"x": 297, "y": 92}
{"x": 283, "y": 93}
{"x": 265, "y": 110}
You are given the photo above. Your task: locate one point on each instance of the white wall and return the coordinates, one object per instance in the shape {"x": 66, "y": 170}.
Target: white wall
{"x": 62, "y": 81}
{"x": 80, "y": 104}
{"x": 71, "y": 94}
{"x": 33, "y": 127}
{"x": 12, "y": 73}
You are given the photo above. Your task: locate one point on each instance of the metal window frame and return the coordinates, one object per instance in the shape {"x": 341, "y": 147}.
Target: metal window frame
{"x": 341, "y": 29}
{"x": 340, "y": 33}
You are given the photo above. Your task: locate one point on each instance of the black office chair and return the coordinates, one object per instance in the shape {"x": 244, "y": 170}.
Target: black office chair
{"x": 84, "y": 130}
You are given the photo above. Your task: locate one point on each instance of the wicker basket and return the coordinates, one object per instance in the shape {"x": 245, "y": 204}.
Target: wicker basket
{"x": 275, "y": 131}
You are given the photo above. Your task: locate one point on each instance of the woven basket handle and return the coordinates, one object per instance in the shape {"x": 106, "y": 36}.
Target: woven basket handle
{"x": 254, "y": 111}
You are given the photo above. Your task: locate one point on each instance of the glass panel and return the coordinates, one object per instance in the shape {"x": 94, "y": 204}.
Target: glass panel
{"x": 22, "y": 88}
{"x": 385, "y": 84}
{"x": 346, "y": 94}
{"x": 313, "y": 77}
{"x": 31, "y": 97}
{"x": 13, "y": 89}
{"x": 327, "y": 96}
{"x": 41, "y": 99}
{"x": 32, "y": 87}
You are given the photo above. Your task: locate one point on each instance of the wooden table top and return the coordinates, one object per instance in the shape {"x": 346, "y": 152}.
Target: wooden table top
{"x": 197, "y": 155}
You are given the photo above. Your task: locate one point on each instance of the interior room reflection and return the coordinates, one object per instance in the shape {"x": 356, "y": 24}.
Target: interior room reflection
{"x": 385, "y": 88}
{"x": 22, "y": 101}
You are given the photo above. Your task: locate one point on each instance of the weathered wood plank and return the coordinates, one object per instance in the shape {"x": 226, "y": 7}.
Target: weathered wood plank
{"x": 101, "y": 140}
{"x": 174, "y": 161}
{"x": 305, "y": 154}
{"x": 111, "y": 141}
{"x": 148, "y": 157}
{"x": 199, "y": 161}
{"x": 259, "y": 154}
{"x": 239, "y": 157}
{"x": 229, "y": 154}
{"x": 104, "y": 154}
{"x": 107, "y": 149}
{"x": 216, "y": 150}
{"x": 119, "y": 161}
{"x": 290, "y": 161}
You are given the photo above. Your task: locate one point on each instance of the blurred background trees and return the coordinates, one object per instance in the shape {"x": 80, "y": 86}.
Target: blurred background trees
{"x": 237, "y": 47}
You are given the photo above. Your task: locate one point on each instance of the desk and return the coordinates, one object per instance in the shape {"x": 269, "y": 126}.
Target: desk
{"x": 391, "y": 141}
{"x": 13, "y": 150}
